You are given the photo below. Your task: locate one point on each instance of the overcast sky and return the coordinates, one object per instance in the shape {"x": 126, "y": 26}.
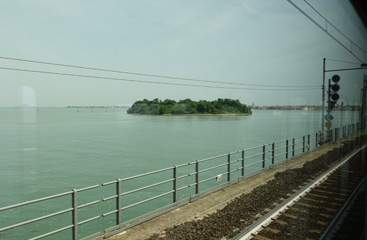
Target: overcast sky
{"x": 262, "y": 42}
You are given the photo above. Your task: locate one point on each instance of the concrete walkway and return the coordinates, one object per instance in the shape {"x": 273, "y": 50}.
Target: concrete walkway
{"x": 218, "y": 200}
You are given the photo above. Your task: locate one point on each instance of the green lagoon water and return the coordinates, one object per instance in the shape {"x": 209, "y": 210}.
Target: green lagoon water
{"x": 53, "y": 150}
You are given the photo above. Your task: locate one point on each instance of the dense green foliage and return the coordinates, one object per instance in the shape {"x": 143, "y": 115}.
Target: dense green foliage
{"x": 186, "y": 106}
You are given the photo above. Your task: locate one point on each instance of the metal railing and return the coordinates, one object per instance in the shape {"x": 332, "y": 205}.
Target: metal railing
{"x": 176, "y": 185}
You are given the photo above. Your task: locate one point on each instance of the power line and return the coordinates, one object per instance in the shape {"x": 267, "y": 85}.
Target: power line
{"x": 327, "y": 21}
{"x": 151, "y": 82}
{"x": 149, "y": 75}
{"x": 325, "y": 30}
{"x": 335, "y": 60}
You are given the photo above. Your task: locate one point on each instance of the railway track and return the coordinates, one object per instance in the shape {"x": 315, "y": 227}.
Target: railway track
{"x": 315, "y": 209}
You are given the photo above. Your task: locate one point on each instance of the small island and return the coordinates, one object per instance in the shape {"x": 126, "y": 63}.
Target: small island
{"x": 189, "y": 107}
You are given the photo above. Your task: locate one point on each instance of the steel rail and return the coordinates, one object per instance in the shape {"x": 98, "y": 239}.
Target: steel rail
{"x": 335, "y": 223}
{"x": 258, "y": 225}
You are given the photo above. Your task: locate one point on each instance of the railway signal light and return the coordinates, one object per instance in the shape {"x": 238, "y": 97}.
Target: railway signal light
{"x": 333, "y": 91}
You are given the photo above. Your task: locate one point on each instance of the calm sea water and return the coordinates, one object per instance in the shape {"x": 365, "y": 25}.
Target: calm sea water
{"x": 53, "y": 150}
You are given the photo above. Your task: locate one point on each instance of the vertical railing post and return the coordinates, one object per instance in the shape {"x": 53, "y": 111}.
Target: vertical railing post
{"x": 293, "y": 146}
{"x": 197, "y": 176}
{"x": 344, "y": 131}
{"x": 331, "y": 135}
{"x": 335, "y": 134}
{"x": 308, "y": 142}
{"x": 286, "y": 148}
{"x": 264, "y": 155}
{"x": 175, "y": 184}
{"x": 229, "y": 167}
{"x": 317, "y": 136}
{"x": 243, "y": 163}
{"x": 304, "y": 143}
{"x": 75, "y": 214}
{"x": 272, "y": 153}
{"x": 118, "y": 201}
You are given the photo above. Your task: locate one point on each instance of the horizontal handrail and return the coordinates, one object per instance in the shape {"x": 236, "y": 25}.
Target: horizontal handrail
{"x": 146, "y": 174}
{"x": 210, "y": 178}
{"x": 280, "y": 141}
{"x": 183, "y": 165}
{"x": 89, "y": 220}
{"x": 109, "y": 198}
{"x": 252, "y": 148}
{"x": 186, "y": 175}
{"x": 146, "y": 187}
{"x": 279, "y": 148}
{"x": 187, "y": 186}
{"x": 109, "y": 213}
{"x": 236, "y": 169}
{"x": 298, "y": 148}
{"x": 236, "y": 160}
{"x": 88, "y": 188}
{"x": 259, "y": 154}
{"x": 36, "y": 200}
{"x": 147, "y": 200}
{"x": 36, "y": 219}
{"x": 214, "y": 167}
{"x": 109, "y": 183}
{"x": 251, "y": 164}
{"x": 211, "y": 158}
{"x": 280, "y": 154}
{"x": 52, "y": 233}
{"x": 235, "y": 152}
{"x": 88, "y": 204}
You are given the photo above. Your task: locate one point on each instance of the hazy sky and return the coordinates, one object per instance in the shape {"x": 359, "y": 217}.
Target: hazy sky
{"x": 239, "y": 41}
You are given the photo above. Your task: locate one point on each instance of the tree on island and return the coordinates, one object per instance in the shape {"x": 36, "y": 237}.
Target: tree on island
{"x": 187, "y": 106}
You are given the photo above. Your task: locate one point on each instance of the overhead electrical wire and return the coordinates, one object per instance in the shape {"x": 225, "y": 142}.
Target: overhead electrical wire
{"x": 335, "y": 60}
{"x": 151, "y": 82}
{"x": 334, "y": 26}
{"x": 150, "y": 75}
{"x": 325, "y": 30}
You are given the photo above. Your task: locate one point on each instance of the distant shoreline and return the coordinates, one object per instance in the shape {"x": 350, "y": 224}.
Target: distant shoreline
{"x": 196, "y": 114}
